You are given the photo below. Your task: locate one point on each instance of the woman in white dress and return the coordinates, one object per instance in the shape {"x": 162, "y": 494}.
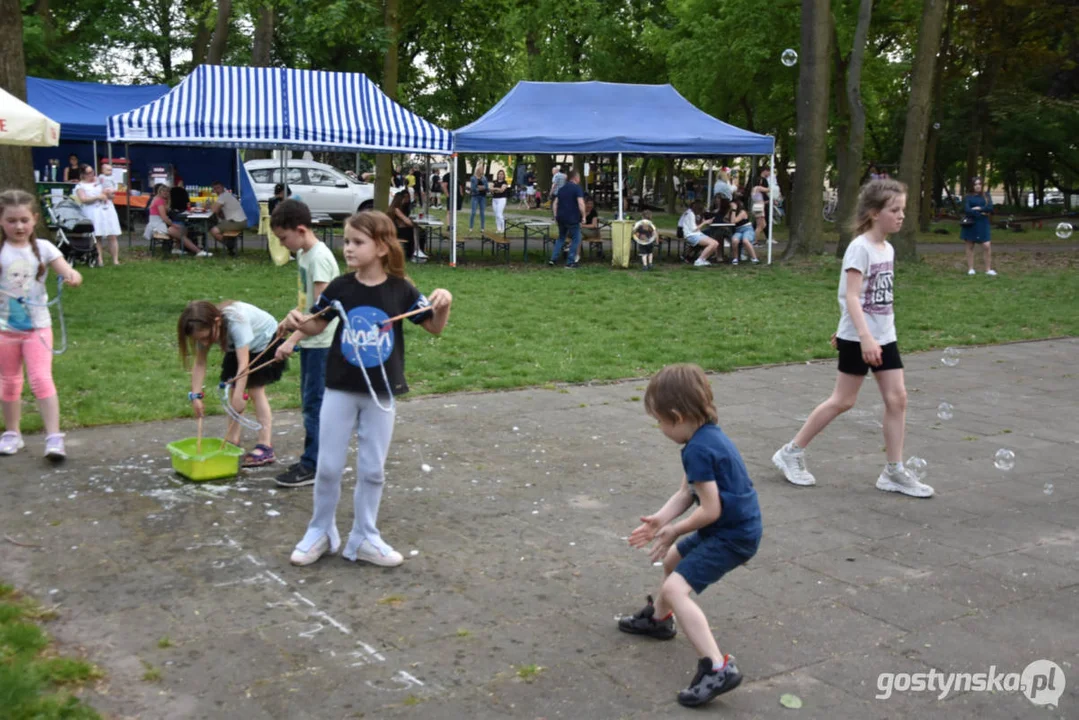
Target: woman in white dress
{"x": 96, "y": 201}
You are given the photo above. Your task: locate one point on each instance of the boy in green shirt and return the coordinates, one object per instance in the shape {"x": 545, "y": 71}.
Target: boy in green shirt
{"x": 291, "y": 222}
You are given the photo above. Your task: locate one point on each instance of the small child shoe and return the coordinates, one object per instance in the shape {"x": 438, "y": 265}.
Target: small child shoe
{"x": 54, "y": 447}
{"x": 10, "y": 443}
{"x": 261, "y": 455}
{"x": 644, "y": 622}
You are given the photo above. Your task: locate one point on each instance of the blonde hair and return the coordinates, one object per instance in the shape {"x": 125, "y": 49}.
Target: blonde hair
{"x": 680, "y": 392}
{"x": 872, "y": 198}
{"x": 21, "y": 198}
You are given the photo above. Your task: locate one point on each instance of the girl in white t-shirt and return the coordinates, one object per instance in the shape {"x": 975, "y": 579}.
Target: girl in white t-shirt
{"x": 25, "y": 323}
{"x": 865, "y": 340}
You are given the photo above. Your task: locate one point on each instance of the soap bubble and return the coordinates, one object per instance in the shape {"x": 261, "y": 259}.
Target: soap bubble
{"x": 918, "y": 466}
{"x": 1064, "y": 230}
{"x": 1004, "y": 459}
{"x": 944, "y": 411}
{"x": 936, "y": 126}
{"x": 951, "y": 357}
{"x": 789, "y": 57}
{"x": 425, "y": 467}
{"x": 1048, "y": 489}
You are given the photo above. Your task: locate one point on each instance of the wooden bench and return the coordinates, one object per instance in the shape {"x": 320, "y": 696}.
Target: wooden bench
{"x": 499, "y": 243}
{"x": 165, "y": 239}
{"x": 234, "y": 234}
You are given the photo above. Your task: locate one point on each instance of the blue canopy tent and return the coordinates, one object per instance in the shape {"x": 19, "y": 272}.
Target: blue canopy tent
{"x": 600, "y": 117}
{"x": 84, "y": 109}
{"x": 279, "y": 108}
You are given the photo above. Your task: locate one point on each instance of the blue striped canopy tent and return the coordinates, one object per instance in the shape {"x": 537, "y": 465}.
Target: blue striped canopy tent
{"x": 271, "y": 108}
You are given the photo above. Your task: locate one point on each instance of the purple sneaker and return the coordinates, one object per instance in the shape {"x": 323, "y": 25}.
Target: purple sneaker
{"x": 54, "y": 447}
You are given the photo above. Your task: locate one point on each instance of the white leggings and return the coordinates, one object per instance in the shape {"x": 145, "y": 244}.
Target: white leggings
{"x": 341, "y": 413}
{"x": 499, "y": 204}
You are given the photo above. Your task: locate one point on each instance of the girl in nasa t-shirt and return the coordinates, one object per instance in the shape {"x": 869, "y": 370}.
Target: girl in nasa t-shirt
{"x": 365, "y": 370}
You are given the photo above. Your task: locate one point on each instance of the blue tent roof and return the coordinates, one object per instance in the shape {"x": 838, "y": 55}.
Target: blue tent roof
{"x": 83, "y": 109}
{"x": 545, "y": 117}
{"x": 279, "y": 108}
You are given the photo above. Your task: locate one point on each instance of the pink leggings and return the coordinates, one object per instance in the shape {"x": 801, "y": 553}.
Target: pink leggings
{"x": 33, "y": 348}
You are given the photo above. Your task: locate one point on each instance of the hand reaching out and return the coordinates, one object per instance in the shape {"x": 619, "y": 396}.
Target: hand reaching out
{"x": 644, "y": 533}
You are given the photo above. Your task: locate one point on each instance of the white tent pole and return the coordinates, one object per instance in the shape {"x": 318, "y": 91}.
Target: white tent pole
{"x": 93, "y": 162}
{"x": 130, "y": 168}
{"x": 771, "y": 203}
{"x": 619, "y": 186}
{"x": 453, "y": 210}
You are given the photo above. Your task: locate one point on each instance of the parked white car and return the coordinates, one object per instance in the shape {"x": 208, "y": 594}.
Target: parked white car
{"x": 324, "y": 188}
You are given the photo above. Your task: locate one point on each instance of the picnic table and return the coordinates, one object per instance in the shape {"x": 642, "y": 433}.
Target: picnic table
{"x": 539, "y": 227}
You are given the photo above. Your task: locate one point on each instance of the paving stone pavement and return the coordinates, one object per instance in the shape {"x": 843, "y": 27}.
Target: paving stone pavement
{"x": 508, "y": 608}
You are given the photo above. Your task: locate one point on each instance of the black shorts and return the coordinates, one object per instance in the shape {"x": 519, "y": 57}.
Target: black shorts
{"x": 263, "y": 376}
{"x": 851, "y": 362}
{"x": 645, "y": 248}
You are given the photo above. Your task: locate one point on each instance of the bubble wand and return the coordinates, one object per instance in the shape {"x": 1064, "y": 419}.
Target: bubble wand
{"x": 57, "y": 301}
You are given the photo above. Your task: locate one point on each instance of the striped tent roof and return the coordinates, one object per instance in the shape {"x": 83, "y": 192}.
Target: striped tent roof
{"x": 279, "y": 108}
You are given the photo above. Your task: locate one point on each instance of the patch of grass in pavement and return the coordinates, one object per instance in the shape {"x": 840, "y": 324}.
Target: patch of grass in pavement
{"x": 35, "y": 682}
{"x": 530, "y": 325}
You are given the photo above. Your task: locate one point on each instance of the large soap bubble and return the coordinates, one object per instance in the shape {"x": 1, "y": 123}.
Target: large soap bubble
{"x": 950, "y": 357}
{"x": 944, "y": 411}
{"x": 918, "y": 466}
{"x": 789, "y": 57}
{"x": 1004, "y": 459}
{"x": 1064, "y": 230}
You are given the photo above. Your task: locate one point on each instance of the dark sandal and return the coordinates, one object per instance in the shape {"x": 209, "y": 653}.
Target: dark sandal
{"x": 261, "y": 455}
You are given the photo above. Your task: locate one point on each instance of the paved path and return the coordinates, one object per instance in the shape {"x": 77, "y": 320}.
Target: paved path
{"x": 522, "y": 560}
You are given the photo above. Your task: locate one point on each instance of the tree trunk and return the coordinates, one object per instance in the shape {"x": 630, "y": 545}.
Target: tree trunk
{"x": 219, "y": 44}
{"x": 384, "y": 162}
{"x": 16, "y": 163}
{"x": 203, "y": 35}
{"x": 925, "y": 217}
{"x": 806, "y": 221}
{"x": 263, "y": 41}
{"x": 912, "y": 158}
{"x": 850, "y": 155}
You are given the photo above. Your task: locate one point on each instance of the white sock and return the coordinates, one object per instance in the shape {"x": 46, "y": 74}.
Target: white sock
{"x": 792, "y": 447}
{"x": 895, "y": 467}
{"x": 717, "y": 667}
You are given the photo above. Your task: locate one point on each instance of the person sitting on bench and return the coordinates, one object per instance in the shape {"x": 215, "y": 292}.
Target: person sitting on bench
{"x": 232, "y": 218}
{"x": 691, "y": 232}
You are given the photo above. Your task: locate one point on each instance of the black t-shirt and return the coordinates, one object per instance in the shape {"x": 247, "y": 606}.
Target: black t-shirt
{"x": 590, "y": 216}
{"x": 530, "y": 178}
{"x": 501, "y": 189}
{"x": 366, "y": 307}
{"x": 179, "y": 199}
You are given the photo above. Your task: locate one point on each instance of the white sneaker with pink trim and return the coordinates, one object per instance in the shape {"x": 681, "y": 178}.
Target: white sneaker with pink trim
{"x": 54, "y": 447}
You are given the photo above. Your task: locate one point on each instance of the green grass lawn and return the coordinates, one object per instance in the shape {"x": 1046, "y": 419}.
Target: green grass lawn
{"x": 34, "y": 680}
{"x": 530, "y": 325}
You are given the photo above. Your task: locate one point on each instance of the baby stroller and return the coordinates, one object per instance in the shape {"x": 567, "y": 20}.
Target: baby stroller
{"x": 72, "y": 231}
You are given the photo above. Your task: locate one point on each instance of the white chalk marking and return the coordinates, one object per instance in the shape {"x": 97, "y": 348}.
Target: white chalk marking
{"x": 303, "y": 599}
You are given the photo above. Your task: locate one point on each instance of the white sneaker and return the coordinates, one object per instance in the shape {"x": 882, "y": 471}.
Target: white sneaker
{"x": 903, "y": 481}
{"x": 420, "y": 254}
{"x": 379, "y": 554}
{"x": 991, "y": 273}
{"x": 54, "y": 447}
{"x": 972, "y": 271}
{"x": 317, "y": 550}
{"x": 793, "y": 466}
{"x": 11, "y": 443}
{"x": 203, "y": 253}
{"x": 701, "y": 262}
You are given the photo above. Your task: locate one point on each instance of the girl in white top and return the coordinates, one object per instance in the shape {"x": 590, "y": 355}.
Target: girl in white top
{"x": 97, "y": 206}
{"x": 866, "y": 341}
{"x": 25, "y": 324}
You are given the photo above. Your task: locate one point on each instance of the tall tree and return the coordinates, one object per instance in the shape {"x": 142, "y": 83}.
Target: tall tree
{"x": 912, "y": 159}
{"x": 807, "y": 223}
{"x": 16, "y": 163}
{"x": 384, "y": 162}
{"x": 850, "y": 149}
{"x": 263, "y": 40}
{"x": 220, "y": 42}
